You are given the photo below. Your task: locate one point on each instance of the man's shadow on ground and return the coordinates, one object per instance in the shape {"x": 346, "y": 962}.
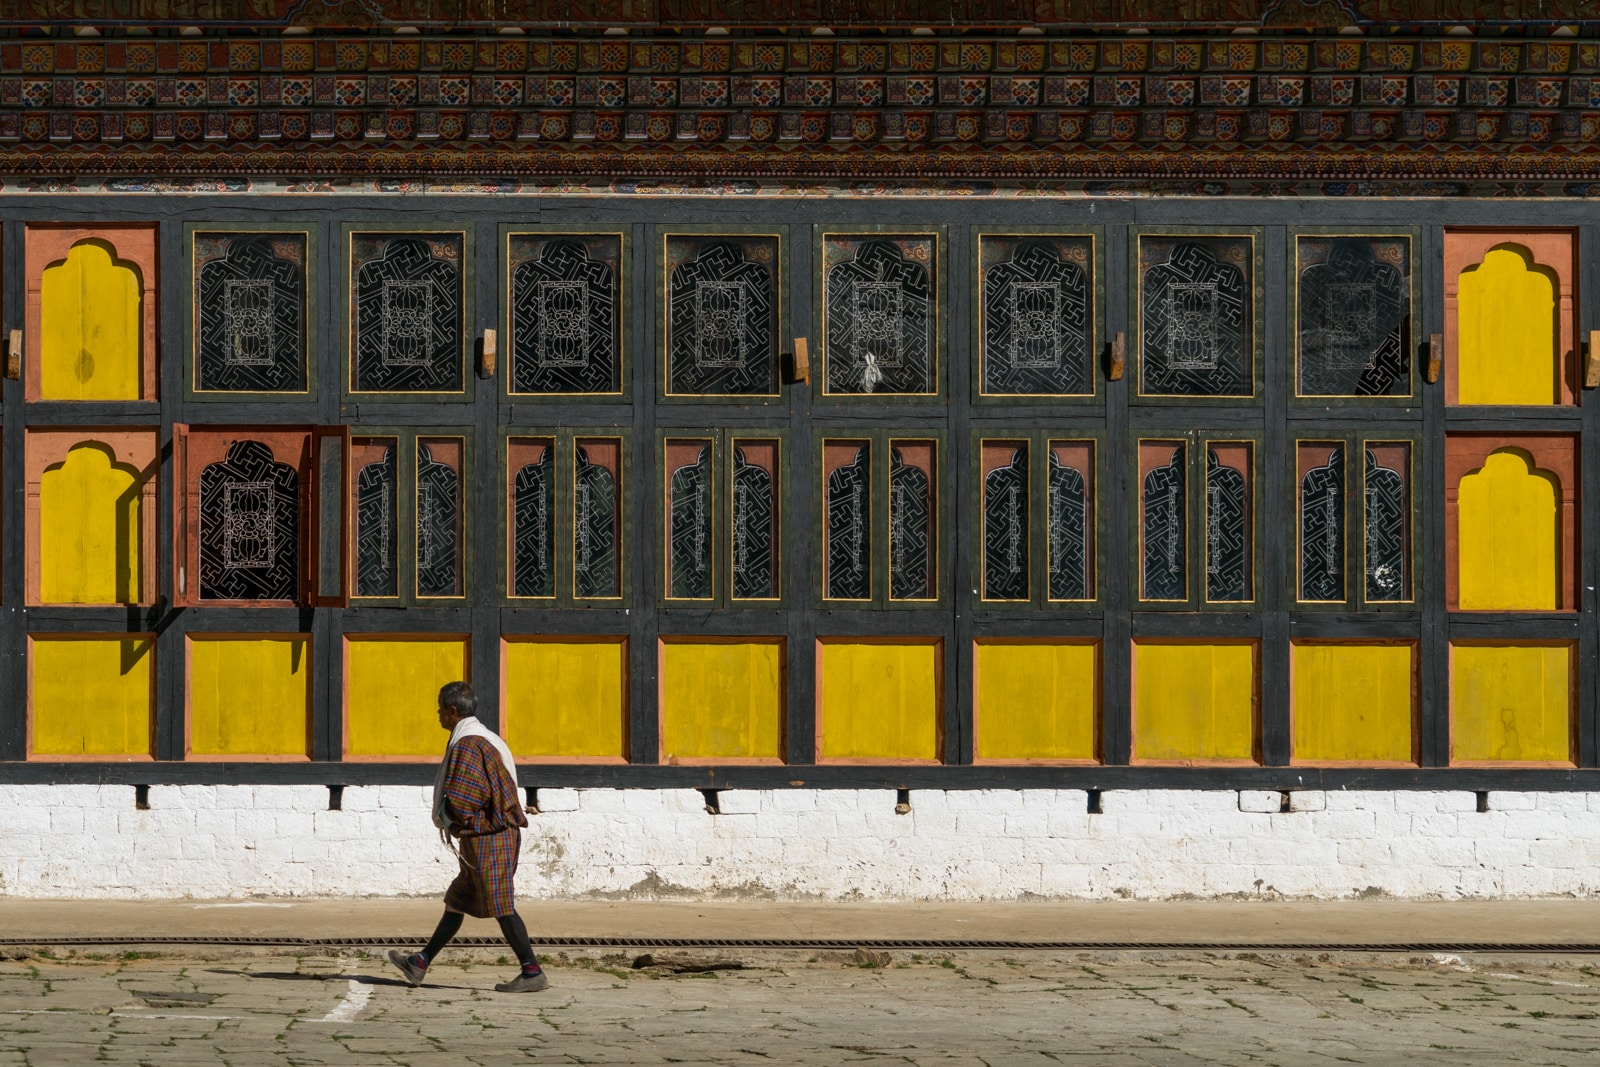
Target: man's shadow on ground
{"x": 363, "y": 979}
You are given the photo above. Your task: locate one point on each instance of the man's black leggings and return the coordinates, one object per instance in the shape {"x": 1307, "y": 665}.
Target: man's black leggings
{"x": 512, "y": 928}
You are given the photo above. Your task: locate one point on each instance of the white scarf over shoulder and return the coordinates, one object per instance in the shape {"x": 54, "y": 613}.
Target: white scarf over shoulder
{"x": 467, "y": 727}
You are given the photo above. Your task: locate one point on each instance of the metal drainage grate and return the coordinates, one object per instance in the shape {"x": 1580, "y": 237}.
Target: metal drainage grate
{"x": 839, "y": 944}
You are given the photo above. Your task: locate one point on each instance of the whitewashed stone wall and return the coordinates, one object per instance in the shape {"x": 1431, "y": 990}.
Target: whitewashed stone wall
{"x": 237, "y": 841}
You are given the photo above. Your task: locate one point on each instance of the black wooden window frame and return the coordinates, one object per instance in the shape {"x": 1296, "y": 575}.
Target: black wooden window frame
{"x": 314, "y": 282}
{"x": 1095, "y": 399}
{"x": 565, "y": 469}
{"x": 406, "y": 439}
{"x": 1355, "y": 486}
{"x": 1039, "y": 442}
{"x": 505, "y": 354}
{"x": 1412, "y": 331}
{"x": 344, "y": 308}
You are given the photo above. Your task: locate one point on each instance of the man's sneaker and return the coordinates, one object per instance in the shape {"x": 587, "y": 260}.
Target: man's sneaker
{"x": 408, "y": 966}
{"x": 524, "y": 983}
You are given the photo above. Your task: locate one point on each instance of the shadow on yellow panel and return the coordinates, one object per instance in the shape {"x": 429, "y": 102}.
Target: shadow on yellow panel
{"x": 91, "y": 696}
{"x": 1509, "y": 549}
{"x": 1511, "y": 703}
{"x": 89, "y": 529}
{"x": 1036, "y": 700}
{"x": 721, "y": 700}
{"x": 566, "y": 697}
{"x": 1194, "y": 702}
{"x": 249, "y": 696}
{"x": 391, "y": 693}
{"x": 878, "y": 700}
{"x": 1353, "y": 702}
{"x": 1507, "y": 331}
{"x": 91, "y": 327}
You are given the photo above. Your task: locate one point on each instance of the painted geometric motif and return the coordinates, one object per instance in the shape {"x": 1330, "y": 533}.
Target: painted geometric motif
{"x": 1322, "y": 528}
{"x": 1166, "y": 570}
{"x": 1036, "y": 325}
{"x": 377, "y": 527}
{"x": 1196, "y": 330}
{"x": 250, "y": 312}
{"x": 879, "y": 315}
{"x": 911, "y": 531}
{"x": 566, "y": 321}
{"x": 1388, "y": 562}
{"x": 1069, "y": 532}
{"x": 850, "y": 530}
{"x": 1354, "y": 310}
{"x": 689, "y": 550}
{"x": 1005, "y": 529}
{"x": 533, "y": 531}
{"x": 722, "y": 315}
{"x": 438, "y": 526}
{"x": 755, "y": 510}
{"x": 408, "y": 322}
{"x": 249, "y": 526}
{"x": 1227, "y": 531}
{"x": 594, "y": 551}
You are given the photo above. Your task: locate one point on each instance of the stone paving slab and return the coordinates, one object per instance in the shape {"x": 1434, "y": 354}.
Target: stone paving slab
{"x": 1101, "y": 1009}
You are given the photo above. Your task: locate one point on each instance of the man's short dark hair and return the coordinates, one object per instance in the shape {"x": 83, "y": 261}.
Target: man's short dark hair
{"x": 459, "y": 695}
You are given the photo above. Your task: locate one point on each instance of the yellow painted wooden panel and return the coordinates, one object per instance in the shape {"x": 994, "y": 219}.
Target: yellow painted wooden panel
{"x": 249, "y": 696}
{"x": 721, "y": 700}
{"x": 1509, "y": 539}
{"x": 91, "y": 696}
{"x": 1353, "y": 702}
{"x": 566, "y": 698}
{"x": 392, "y": 693}
{"x": 90, "y": 320}
{"x": 1506, "y": 333}
{"x": 1036, "y": 701}
{"x": 878, "y": 701}
{"x": 1194, "y": 702}
{"x": 89, "y": 530}
{"x": 1511, "y": 702}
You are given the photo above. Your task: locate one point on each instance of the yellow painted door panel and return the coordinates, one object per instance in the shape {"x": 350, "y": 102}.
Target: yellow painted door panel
{"x": 721, "y": 700}
{"x": 91, "y": 696}
{"x": 566, "y": 697}
{"x": 1509, "y": 550}
{"x": 249, "y": 696}
{"x": 1353, "y": 702}
{"x": 89, "y": 530}
{"x": 1194, "y": 701}
{"x": 392, "y": 693}
{"x": 1511, "y": 703}
{"x": 878, "y": 700}
{"x": 1507, "y": 333}
{"x": 91, "y": 309}
{"x": 1036, "y": 700}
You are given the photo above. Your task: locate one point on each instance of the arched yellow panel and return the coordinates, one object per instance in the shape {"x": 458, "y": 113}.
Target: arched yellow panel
{"x": 89, "y": 530}
{"x": 1507, "y": 340}
{"x": 90, "y": 696}
{"x": 566, "y": 697}
{"x": 91, "y": 328}
{"x": 249, "y": 696}
{"x": 721, "y": 699}
{"x": 1511, "y": 703}
{"x": 1509, "y": 550}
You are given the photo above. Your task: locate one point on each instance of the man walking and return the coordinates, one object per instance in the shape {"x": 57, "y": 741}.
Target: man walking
{"x": 475, "y": 802}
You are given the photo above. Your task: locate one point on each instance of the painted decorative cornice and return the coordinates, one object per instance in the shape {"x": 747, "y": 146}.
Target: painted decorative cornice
{"x": 1333, "y": 108}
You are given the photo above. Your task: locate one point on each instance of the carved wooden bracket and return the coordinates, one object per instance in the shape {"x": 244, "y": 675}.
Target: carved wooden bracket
{"x": 1435, "y": 357}
{"x": 1119, "y": 357}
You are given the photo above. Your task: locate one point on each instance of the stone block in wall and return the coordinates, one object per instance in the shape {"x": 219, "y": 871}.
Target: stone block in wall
{"x": 1260, "y": 801}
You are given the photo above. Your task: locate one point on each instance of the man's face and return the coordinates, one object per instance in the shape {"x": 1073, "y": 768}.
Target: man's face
{"x": 448, "y": 716}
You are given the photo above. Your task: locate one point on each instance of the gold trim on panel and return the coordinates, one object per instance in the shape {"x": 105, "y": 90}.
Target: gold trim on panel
{"x": 936, "y": 308}
{"x": 350, "y": 235}
{"x": 664, "y": 311}
{"x": 1091, "y": 562}
{"x": 778, "y": 478}
{"x": 306, "y": 309}
{"x": 980, "y": 348}
{"x": 1407, "y": 342}
{"x": 981, "y": 535}
{"x": 619, "y": 318}
{"x": 1254, "y": 350}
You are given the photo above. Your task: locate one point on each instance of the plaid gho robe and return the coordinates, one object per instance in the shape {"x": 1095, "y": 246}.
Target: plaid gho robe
{"x": 485, "y": 819}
